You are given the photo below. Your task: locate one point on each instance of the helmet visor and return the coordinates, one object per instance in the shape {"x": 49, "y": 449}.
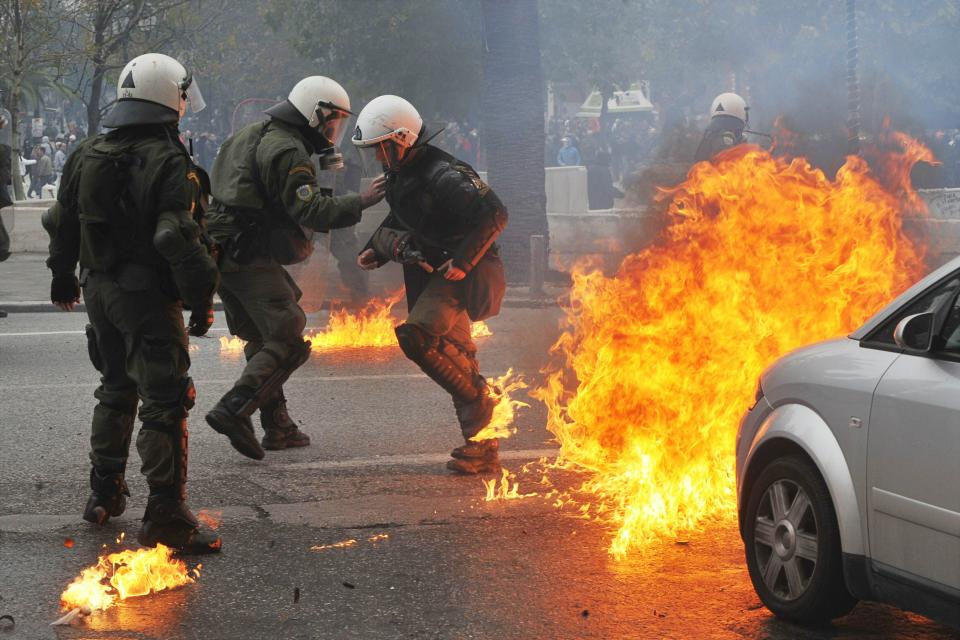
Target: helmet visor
{"x": 191, "y": 89}
{"x": 334, "y": 125}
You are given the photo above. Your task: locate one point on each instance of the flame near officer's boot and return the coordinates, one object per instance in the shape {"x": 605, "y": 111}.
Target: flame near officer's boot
{"x": 476, "y": 457}
{"x": 167, "y": 519}
{"x": 456, "y": 371}
{"x": 108, "y": 496}
{"x": 482, "y": 456}
{"x": 280, "y": 432}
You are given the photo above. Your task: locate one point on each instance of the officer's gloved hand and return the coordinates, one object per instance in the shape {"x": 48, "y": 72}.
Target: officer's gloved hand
{"x": 201, "y": 319}
{"x": 65, "y": 291}
{"x": 374, "y": 193}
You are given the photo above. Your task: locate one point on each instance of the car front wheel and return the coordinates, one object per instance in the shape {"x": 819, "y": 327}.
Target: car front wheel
{"x": 793, "y": 544}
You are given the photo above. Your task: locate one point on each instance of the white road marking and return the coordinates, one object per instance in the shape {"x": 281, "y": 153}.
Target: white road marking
{"x": 405, "y": 459}
{"x": 350, "y": 512}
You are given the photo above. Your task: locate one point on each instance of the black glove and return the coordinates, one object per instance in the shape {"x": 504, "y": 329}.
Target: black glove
{"x": 64, "y": 289}
{"x": 201, "y": 319}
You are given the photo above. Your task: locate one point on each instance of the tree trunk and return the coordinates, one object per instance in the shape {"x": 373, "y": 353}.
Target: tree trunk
{"x": 513, "y": 126}
{"x": 15, "y": 89}
{"x": 96, "y": 93}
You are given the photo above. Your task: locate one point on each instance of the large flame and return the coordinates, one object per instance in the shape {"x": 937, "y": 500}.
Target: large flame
{"x": 372, "y": 326}
{"x": 126, "y": 574}
{"x": 657, "y": 363}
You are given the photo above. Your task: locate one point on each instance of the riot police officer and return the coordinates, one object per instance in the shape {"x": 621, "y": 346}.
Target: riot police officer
{"x": 442, "y": 226}
{"x": 125, "y": 213}
{"x": 266, "y": 205}
{"x": 729, "y": 115}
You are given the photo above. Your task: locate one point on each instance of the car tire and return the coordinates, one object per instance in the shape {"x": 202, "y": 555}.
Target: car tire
{"x": 792, "y": 544}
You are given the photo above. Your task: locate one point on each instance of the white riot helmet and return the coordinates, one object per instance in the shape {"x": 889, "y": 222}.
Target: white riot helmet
{"x": 317, "y": 103}
{"x": 153, "y": 89}
{"x": 730, "y": 104}
{"x": 391, "y": 124}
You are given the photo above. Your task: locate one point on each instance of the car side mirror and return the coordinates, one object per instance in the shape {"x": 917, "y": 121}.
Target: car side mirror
{"x": 915, "y": 333}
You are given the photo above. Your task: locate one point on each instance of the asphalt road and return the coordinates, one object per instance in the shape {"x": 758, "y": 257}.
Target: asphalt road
{"x": 451, "y": 566}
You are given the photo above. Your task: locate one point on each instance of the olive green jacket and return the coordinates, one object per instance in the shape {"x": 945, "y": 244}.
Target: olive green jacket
{"x": 161, "y": 190}
{"x": 283, "y": 182}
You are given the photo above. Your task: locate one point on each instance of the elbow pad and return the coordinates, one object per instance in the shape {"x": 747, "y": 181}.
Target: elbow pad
{"x": 51, "y": 219}
{"x": 174, "y": 236}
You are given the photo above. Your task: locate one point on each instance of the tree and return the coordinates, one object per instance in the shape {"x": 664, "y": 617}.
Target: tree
{"x": 114, "y": 31}
{"x": 28, "y": 29}
{"x": 424, "y": 50}
{"x": 513, "y": 128}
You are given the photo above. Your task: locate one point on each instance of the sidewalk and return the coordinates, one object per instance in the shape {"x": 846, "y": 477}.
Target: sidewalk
{"x": 25, "y": 286}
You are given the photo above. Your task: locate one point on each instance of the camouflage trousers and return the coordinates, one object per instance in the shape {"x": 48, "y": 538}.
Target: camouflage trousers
{"x": 137, "y": 342}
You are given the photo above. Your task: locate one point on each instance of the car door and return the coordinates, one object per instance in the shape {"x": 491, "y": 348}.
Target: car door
{"x": 913, "y": 463}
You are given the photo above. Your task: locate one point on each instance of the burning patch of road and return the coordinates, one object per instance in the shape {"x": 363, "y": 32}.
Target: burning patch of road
{"x": 657, "y": 362}
{"x": 125, "y": 574}
{"x": 371, "y": 327}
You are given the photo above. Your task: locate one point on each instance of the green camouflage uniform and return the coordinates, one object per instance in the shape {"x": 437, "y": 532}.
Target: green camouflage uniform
{"x": 133, "y": 292}
{"x": 263, "y": 178}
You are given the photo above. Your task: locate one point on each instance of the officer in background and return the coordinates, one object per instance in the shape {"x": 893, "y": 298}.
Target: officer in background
{"x": 140, "y": 255}
{"x": 266, "y": 206}
{"x": 442, "y": 225}
{"x": 729, "y": 115}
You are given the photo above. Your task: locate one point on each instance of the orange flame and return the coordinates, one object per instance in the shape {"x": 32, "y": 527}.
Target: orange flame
{"x": 126, "y": 574}
{"x": 343, "y": 544}
{"x": 501, "y": 424}
{"x": 506, "y": 490}
{"x": 370, "y": 327}
{"x": 657, "y": 363}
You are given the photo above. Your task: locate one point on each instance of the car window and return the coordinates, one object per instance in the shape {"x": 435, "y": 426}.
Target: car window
{"x": 951, "y": 328}
{"x": 929, "y": 301}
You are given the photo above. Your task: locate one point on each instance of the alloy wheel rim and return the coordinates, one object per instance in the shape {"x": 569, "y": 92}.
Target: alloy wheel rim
{"x": 786, "y": 539}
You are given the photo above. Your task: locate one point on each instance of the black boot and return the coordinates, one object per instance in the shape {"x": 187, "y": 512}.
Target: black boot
{"x": 280, "y": 432}
{"x": 226, "y": 418}
{"x": 108, "y": 496}
{"x": 168, "y": 521}
{"x": 476, "y": 457}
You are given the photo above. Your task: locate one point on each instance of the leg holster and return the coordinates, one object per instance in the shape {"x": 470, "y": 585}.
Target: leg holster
{"x": 443, "y": 361}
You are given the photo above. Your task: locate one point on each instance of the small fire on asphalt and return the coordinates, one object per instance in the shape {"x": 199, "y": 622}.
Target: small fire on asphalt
{"x": 507, "y": 489}
{"x": 121, "y": 575}
{"x": 371, "y": 327}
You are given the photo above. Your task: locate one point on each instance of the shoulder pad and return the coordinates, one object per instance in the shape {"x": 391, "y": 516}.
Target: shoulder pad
{"x": 276, "y": 141}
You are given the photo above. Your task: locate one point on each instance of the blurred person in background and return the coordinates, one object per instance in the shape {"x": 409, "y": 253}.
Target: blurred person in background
{"x": 569, "y": 155}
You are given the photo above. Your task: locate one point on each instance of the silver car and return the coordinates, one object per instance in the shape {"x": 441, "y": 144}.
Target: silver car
{"x": 848, "y": 465}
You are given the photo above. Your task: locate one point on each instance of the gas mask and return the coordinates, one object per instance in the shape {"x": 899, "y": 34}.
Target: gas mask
{"x": 327, "y": 136}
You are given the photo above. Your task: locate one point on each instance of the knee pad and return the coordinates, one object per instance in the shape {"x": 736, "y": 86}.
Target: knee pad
{"x": 414, "y": 341}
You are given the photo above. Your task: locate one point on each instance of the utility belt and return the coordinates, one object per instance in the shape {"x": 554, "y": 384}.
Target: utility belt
{"x": 263, "y": 235}
{"x": 134, "y": 277}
